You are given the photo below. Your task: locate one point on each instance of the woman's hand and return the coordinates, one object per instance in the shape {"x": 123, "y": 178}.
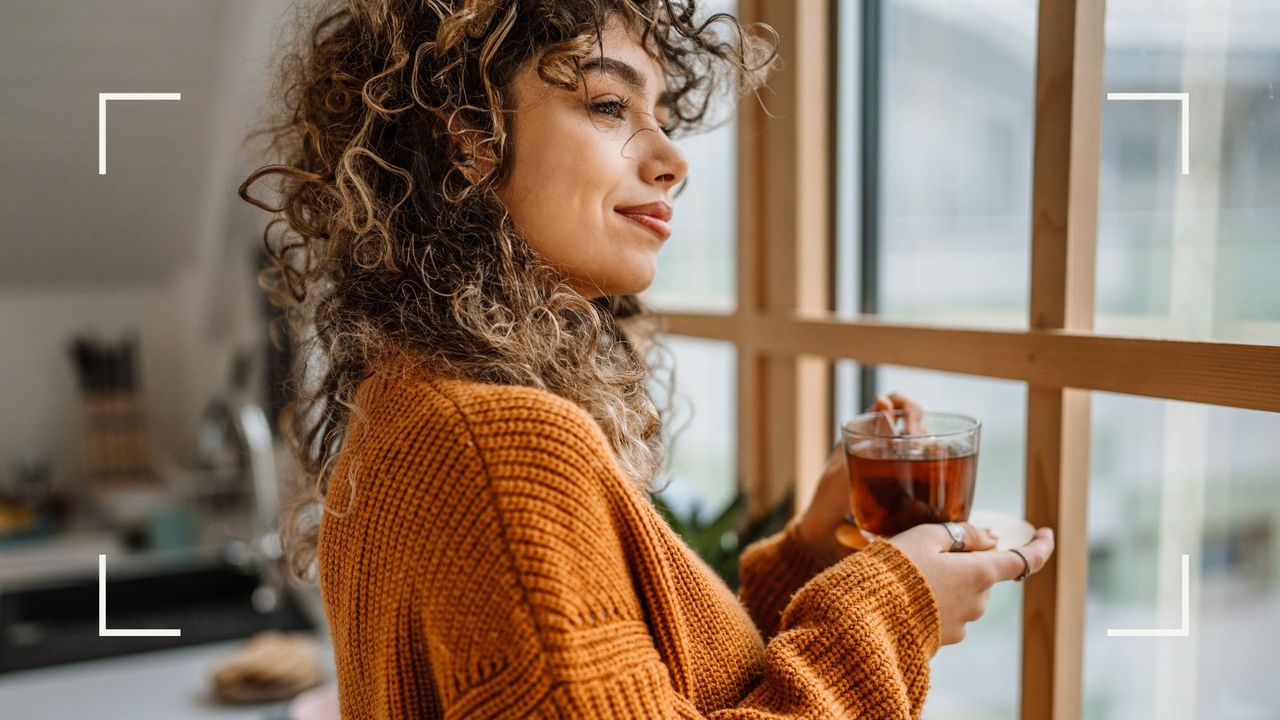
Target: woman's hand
{"x": 826, "y": 511}
{"x": 911, "y": 410}
{"x": 961, "y": 581}
{"x": 818, "y": 523}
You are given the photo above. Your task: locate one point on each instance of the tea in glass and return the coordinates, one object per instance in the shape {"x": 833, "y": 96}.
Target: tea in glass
{"x": 898, "y": 481}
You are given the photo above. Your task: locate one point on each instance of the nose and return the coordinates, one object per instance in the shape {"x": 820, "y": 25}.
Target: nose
{"x": 666, "y": 164}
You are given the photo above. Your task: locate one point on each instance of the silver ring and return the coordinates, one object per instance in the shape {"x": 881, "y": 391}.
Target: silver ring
{"x": 1026, "y": 566}
{"x": 956, "y": 531}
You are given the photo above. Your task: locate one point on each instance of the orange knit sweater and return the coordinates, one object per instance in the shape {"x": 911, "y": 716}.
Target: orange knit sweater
{"x": 496, "y": 563}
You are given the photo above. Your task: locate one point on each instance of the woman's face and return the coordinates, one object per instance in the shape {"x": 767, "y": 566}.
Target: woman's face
{"x": 578, "y": 158}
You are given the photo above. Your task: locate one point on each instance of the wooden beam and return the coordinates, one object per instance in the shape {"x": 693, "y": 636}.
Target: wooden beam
{"x": 785, "y": 227}
{"x": 751, "y": 192}
{"x": 1228, "y": 374}
{"x": 808, "y": 389}
{"x": 1064, "y": 220}
{"x": 1054, "y": 599}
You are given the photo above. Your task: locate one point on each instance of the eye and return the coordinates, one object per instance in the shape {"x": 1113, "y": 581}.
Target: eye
{"x": 612, "y": 108}
{"x": 617, "y": 108}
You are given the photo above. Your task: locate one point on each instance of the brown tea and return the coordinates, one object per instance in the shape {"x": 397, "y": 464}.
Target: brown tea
{"x": 895, "y": 487}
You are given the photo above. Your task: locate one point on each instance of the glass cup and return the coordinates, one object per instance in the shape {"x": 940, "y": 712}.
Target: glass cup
{"x": 899, "y": 480}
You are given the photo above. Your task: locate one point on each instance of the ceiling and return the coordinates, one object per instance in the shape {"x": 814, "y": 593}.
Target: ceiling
{"x": 171, "y": 165}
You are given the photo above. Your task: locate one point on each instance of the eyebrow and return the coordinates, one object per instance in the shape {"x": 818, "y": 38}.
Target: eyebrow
{"x": 628, "y": 74}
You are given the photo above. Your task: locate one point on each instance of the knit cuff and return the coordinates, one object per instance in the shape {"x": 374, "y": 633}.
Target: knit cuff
{"x": 771, "y": 571}
{"x": 798, "y": 564}
{"x": 924, "y": 621}
{"x": 879, "y": 578}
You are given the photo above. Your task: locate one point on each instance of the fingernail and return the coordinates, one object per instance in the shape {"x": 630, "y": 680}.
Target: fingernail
{"x": 993, "y": 532}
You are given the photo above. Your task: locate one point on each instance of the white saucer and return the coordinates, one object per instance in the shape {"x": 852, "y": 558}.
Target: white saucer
{"x": 1014, "y": 531}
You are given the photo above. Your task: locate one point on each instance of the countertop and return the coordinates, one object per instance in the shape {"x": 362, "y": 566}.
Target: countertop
{"x": 73, "y": 553}
{"x": 162, "y": 685}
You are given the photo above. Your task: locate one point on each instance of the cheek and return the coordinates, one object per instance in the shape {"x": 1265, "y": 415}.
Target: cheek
{"x": 562, "y": 192}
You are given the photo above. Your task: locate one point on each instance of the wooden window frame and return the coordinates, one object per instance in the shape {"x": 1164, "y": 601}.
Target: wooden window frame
{"x": 787, "y": 336}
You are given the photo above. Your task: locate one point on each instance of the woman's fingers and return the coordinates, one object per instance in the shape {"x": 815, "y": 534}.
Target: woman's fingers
{"x": 975, "y": 538}
{"x": 913, "y": 411}
{"x": 1037, "y": 552}
{"x": 884, "y": 422}
{"x": 961, "y": 581}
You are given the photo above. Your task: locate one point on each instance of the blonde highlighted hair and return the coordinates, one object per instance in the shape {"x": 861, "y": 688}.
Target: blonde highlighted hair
{"x": 391, "y": 134}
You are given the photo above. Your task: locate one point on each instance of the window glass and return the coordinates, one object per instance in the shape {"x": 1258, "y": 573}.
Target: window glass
{"x": 1191, "y": 255}
{"x": 955, "y": 122}
{"x": 697, "y": 266}
{"x": 702, "y": 421}
{"x": 1167, "y": 479}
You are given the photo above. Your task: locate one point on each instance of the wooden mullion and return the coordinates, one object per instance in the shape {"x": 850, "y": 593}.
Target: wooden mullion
{"x": 785, "y": 230}
{"x": 1219, "y": 373}
{"x": 750, "y": 226}
{"x": 779, "y": 258}
{"x": 1053, "y": 605}
{"x": 1064, "y": 216}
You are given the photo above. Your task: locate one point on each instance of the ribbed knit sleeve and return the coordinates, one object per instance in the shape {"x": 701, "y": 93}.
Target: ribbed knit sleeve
{"x": 771, "y": 570}
{"x": 529, "y": 607}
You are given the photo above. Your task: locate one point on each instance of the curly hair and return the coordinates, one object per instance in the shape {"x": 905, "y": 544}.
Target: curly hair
{"x": 392, "y": 132}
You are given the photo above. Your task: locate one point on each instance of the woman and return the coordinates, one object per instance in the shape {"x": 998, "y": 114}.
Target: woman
{"x": 473, "y": 193}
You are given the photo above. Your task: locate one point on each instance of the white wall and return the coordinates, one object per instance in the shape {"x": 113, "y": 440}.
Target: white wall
{"x": 183, "y": 362}
{"x": 193, "y": 319}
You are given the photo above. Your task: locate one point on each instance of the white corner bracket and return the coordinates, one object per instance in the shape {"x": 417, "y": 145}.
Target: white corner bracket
{"x": 103, "y": 630}
{"x": 1185, "y": 99}
{"x": 1185, "y": 630}
{"x": 102, "y": 118}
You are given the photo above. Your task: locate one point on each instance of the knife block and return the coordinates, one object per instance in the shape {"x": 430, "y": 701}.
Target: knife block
{"x": 116, "y": 445}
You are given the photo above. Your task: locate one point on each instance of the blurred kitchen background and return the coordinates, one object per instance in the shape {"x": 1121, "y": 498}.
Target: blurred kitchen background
{"x": 139, "y": 388}
{"x": 933, "y": 227}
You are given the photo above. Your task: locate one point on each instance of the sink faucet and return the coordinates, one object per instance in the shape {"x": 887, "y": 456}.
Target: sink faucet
{"x": 236, "y": 411}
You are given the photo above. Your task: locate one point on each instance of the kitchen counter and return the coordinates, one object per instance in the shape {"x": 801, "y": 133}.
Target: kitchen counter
{"x": 74, "y": 552}
{"x": 163, "y": 685}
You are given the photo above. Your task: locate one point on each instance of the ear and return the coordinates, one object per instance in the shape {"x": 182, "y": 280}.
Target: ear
{"x": 473, "y": 162}
{"x": 466, "y": 148}
{"x": 475, "y": 157}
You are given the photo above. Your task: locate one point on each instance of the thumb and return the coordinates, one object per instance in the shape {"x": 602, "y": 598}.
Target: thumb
{"x": 979, "y": 538}
{"x": 975, "y": 538}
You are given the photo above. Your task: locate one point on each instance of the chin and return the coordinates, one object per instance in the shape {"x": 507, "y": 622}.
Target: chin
{"x": 618, "y": 288}
{"x": 612, "y": 287}
{"x": 632, "y": 285}
{"x": 632, "y": 275}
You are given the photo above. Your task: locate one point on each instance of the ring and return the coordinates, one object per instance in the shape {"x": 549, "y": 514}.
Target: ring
{"x": 956, "y": 531}
{"x": 1026, "y": 566}
{"x": 848, "y": 517}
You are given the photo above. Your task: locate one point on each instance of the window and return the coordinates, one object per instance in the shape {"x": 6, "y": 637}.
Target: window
{"x": 1114, "y": 327}
{"x": 696, "y": 268}
{"x": 700, "y": 428}
{"x": 1167, "y": 479}
{"x": 949, "y": 118}
{"x": 1191, "y": 255}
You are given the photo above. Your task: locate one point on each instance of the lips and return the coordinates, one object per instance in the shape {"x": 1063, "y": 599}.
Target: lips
{"x": 653, "y": 216}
